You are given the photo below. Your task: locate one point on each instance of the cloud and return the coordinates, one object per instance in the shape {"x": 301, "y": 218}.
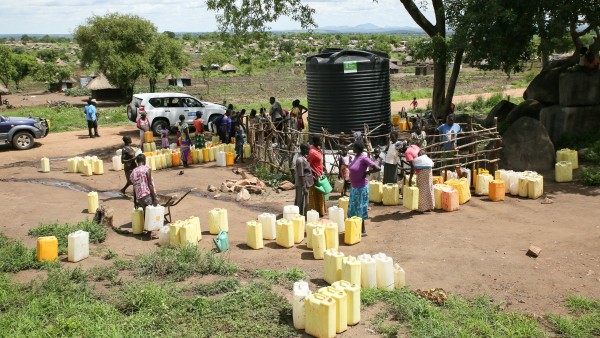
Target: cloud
{"x": 60, "y": 17}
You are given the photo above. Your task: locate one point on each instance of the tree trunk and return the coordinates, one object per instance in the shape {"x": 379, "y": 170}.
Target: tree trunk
{"x": 439, "y": 89}
{"x": 453, "y": 78}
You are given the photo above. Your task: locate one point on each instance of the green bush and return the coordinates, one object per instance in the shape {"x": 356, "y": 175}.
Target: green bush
{"x": 62, "y": 230}
{"x": 494, "y": 100}
{"x": 14, "y": 256}
{"x": 78, "y": 92}
{"x": 589, "y": 176}
{"x": 478, "y": 104}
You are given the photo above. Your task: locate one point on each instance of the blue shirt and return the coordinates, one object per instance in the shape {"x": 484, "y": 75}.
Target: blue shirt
{"x": 446, "y": 130}
{"x": 226, "y": 124}
{"x": 90, "y": 112}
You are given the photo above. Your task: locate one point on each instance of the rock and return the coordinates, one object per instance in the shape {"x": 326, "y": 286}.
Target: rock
{"x": 230, "y": 184}
{"x": 500, "y": 111}
{"x": 224, "y": 187}
{"x": 104, "y": 216}
{"x": 527, "y": 146}
{"x": 528, "y": 108}
{"x": 237, "y": 171}
{"x": 533, "y": 251}
{"x": 286, "y": 185}
{"x": 244, "y": 175}
{"x": 569, "y": 120}
{"x": 253, "y": 189}
{"x": 211, "y": 188}
{"x": 544, "y": 87}
{"x": 243, "y": 195}
{"x": 579, "y": 88}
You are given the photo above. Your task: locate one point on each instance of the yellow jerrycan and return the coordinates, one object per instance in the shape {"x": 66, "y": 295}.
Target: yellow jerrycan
{"x": 299, "y": 225}
{"x": 353, "y": 293}
{"x": 92, "y": 202}
{"x": 353, "y": 230}
{"x": 341, "y": 307}
{"x": 318, "y": 242}
{"x": 137, "y": 221}
{"x": 284, "y": 233}
{"x": 217, "y": 221}
{"x": 47, "y": 249}
{"x": 254, "y": 236}
{"x": 331, "y": 236}
{"x": 343, "y": 203}
{"x": 351, "y": 270}
{"x": 563, "y": 171}
{"x": 391, "y": 194}
{"x": 320, "y": 315}
{"x": 333, "y": 265}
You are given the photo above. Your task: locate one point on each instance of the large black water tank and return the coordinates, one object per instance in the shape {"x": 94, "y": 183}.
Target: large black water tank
{"x": 348, "y": 89}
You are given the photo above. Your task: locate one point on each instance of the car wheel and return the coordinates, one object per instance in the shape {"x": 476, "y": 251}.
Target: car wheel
{"x": 131, "y": 114}
{"x": 159, "y": 125}
{"x": 23, "y": 140}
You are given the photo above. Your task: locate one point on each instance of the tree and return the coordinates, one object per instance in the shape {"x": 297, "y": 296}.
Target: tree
{"x": 166, "y": 57}
{"x": 24, "y": 65}
{"x": 6, "y": 66}
{"x": 119, "y": 45}
{"x": 170, "y": 34}
{"x": 51, "y": 72}
{"x": 125, "y": 47}
{"x": 210, "y": 57}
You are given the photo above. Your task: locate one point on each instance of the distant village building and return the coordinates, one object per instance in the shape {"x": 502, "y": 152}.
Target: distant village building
{"x": 184, "y": 80}
{"x": 394, "y": 68}
{"x": 102, "y": 89}
{"x": 61, "y": 86}
{"x": 228, "y": 68}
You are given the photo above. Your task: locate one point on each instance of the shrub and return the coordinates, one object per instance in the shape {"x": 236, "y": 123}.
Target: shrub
{"x": 62, "y": 230}
{"x": 78, "y": 92}
{"x": 589, "y": 176}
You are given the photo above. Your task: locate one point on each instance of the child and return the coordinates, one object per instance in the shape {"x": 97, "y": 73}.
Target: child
{"x": 344, "y": 172}
{"x": 164, "y": 138}
{"x": 239, "y": 143}
{"x": 378, "y": 158}
{"x": 414, "y": 104}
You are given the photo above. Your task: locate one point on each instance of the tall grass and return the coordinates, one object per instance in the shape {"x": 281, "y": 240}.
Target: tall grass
{"x": 420, "y": 93}
{"x": 14, "y": 256}
{"x": 584, "y": 323}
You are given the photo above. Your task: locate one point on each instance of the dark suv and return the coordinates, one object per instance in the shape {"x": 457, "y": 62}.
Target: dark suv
{"x": 20, "y": 131}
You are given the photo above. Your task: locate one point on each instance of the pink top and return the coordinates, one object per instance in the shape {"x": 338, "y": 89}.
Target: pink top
{"x": 412, "y": 152}
{"x": 139, "y": 179}
{"x": 315, "y": 158}
{"x": 358, "y": 168}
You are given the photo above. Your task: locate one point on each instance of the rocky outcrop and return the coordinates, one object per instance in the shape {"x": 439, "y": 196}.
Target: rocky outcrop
{"x": 501, "y": 111}
{"x": 527, "y": 108}
{"x": 579, "y": 88}
{"x": 558, "y": 120}
{"x": 544, "y": 87}
{"x": 527, "y": 146}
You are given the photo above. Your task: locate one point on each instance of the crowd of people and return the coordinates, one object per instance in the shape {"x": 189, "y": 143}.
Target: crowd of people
{"x": 355, "y": 168}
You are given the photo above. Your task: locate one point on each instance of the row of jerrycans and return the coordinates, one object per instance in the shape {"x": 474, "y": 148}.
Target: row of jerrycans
{"x": 329, "y": 311}
{"x": 389, "y": 194}
{"x": 88, "y": 165}
{"x": 78, "y": 247}
{"x": 527, "y": 184}
{"x": 377, "y": 271}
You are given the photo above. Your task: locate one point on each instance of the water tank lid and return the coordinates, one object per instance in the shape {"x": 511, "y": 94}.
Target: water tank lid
{"x": 340, "y": 56}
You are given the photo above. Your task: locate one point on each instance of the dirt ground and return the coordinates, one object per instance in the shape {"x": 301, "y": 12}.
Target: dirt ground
{"x": 479, "y": 249}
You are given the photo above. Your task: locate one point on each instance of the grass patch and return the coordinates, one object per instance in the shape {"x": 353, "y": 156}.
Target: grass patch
{"x": 62, "y": 231}
{"x": 586, "y": 322}
{"x": 180, "y": 263}
{"x": 271, "y": 178}
{"x": 68, "y": 119}
{"x": 218, "y": 287}
{"x": 285, "y": 278}
{"x": 419, "y": 93}
{"x": 110, "y": 255}
{"x": 105, "y": 273}
{"x": 14, "y": 256}
{"x": 458, "y": 317}
{"x": 64, "y": 304}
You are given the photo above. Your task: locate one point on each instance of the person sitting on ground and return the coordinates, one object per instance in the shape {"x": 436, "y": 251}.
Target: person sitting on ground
{"x": 144, "y": 191}
{"x": 128, "y": 160}
{"x": 239, "y": 143}
{"x": 591, "y": 61}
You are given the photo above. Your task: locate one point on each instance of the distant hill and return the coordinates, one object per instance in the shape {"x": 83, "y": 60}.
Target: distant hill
{"x": 370, "y": 28}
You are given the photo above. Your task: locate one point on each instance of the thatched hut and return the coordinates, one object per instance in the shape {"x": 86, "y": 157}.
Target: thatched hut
{"x": 184, "y": 80}
{"x": 228, "y": 68}
{"x": 102, "y": 89}
{"x": 394, "y": 68}
{"x": 61, "y": 86}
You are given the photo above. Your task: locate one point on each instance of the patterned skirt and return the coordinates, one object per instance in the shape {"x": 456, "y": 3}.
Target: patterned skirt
{"x": 425, "y": 185}
{"x": 316, "y": 201}
{"x": 359, "y": 202}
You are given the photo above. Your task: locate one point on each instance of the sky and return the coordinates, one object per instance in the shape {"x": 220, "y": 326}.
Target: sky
{"x": 63, "y": 16}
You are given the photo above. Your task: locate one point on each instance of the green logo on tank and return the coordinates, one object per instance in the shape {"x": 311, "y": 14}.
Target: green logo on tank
{"x": 350, "y": 67}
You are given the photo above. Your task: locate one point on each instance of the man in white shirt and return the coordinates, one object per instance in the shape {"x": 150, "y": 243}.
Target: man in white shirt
{"x": 276, "y": 113}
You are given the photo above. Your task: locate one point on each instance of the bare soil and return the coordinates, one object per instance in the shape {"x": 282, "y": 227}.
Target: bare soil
{"x": 480, "y": 249}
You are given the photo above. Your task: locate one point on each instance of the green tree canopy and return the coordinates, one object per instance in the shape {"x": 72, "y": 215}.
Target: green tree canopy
{"x": 126, "y": 47}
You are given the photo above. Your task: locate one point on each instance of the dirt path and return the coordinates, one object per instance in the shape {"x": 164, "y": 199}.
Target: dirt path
{"x": 479, "y": 249}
